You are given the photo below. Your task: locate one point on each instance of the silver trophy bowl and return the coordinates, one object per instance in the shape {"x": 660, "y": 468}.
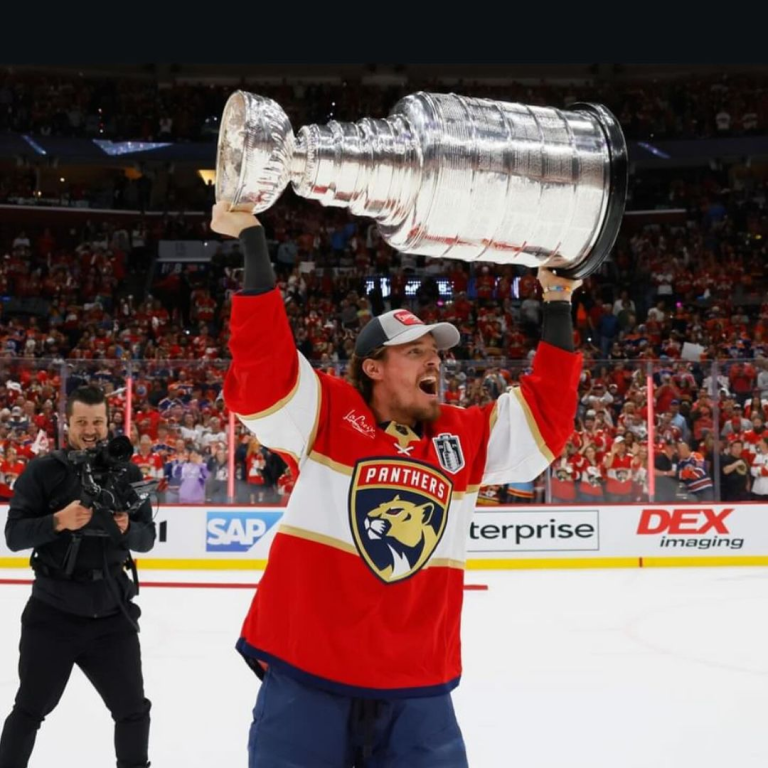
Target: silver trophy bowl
{"x": 444, "y": 176}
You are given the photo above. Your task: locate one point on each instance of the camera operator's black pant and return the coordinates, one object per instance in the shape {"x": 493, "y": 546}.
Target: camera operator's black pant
{"x": 106, "y": 650}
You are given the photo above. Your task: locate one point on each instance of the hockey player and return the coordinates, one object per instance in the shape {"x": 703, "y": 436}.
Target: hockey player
{"x": 355, "y": 627}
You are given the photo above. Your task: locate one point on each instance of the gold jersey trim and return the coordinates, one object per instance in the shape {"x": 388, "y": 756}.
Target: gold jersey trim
{"x": 402, "y": 433}
{"x": 533, "y": 426}
{"x": 319, "y": 538}
{"x": 330, "y": 541}
{"x": 277, "y": 406}
{"x": 494, "y": 415}
{"x": 336, "y": 466}
{"x": 313, "y": 433}
{"x": 445, "y": 562}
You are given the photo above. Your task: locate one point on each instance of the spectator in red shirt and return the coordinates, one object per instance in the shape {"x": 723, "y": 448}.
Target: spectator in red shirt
{"x": 666, "y": 393}
{"x": 204, "y": 307}
{"x": 742, "y": 378}
{"x": 591, "y": 477}
{"x": 285, "y": 484}
{"x": 12, "y": 466}
{"x": 618, "y": 466}
{"x": 255, "y": 468}
{"x": 702, "y": 423}
{"x": 149, "y": 463}
{"x": 564, "y": 474}
{"x": 485, "y": 285}
{"x": 452, "y": 395}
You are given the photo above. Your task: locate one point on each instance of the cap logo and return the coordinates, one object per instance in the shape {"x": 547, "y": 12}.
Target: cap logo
{"x": 407, "y": 318}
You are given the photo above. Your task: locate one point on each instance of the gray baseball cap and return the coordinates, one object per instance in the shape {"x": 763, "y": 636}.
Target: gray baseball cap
{"x": 401, "y": 326}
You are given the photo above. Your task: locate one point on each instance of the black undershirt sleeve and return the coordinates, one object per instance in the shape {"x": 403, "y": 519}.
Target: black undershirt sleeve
{"x": 557, "y": 325}
{"x": 258, "y": 275}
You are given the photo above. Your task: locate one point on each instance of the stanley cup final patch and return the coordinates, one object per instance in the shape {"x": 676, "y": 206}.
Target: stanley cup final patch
{"x": 398, "y": 509}
{"x": 449, "y": 452}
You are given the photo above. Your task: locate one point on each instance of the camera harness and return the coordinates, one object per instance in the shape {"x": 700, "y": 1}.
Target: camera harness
{"x": 108, "y": 529}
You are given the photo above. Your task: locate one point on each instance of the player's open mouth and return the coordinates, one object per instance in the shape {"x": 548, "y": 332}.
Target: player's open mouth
{"x": 428, "y": 385}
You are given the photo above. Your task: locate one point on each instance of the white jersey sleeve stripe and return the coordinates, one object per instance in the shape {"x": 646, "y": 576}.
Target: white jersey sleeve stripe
{"x": 516, "y": 450}
{"x": 290, "y": 425}
{"x": 533, "y": 426}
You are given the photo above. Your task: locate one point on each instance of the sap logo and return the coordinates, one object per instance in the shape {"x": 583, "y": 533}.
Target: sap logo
{"x": 683, "y": 521}
{"x": 237, "y": 531}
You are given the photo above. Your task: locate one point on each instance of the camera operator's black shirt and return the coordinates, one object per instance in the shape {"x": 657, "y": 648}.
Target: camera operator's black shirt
{"x": 46, "y": 486}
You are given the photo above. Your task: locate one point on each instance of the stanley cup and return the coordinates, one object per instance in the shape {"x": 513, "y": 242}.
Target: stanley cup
{"x": 444, "y": 176}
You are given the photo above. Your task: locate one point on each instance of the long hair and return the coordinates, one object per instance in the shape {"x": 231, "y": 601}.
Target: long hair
{"x": 358, "y": 378}
{"x": 253, "y": 448}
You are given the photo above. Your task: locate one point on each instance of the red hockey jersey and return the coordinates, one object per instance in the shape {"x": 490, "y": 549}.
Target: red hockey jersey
{"x": 363, "y": 588}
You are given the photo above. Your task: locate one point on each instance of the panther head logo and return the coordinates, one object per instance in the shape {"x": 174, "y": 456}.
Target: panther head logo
{"x": 398, "y": 510}
{"x": 406, "y": 529}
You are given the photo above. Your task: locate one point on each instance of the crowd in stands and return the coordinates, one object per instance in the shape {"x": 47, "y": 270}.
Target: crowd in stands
{"x": 683, "y": 302}
{"x": 111, "y": 189}
{"x": 687, "y": 106}
{"x": 44, "y": 104}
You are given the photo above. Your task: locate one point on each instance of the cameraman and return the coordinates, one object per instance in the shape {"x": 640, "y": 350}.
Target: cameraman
{"x": 80, "y": 611}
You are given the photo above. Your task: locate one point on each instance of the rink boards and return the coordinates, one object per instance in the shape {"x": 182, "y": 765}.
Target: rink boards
{"x": 577, "y": 536}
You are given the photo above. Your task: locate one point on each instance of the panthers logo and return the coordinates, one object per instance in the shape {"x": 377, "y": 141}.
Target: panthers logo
{"x": 398, "y": 512}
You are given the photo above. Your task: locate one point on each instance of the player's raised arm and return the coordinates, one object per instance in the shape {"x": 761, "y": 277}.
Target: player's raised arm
{"x": 530, "y": 424}
{"x": 270, "y": 386}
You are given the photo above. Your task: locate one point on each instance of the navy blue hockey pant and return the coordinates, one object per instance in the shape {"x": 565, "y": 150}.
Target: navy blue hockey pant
{"x": 297, "y": 726}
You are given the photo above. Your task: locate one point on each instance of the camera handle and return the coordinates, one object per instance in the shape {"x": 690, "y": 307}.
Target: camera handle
{"x": 92, "y": 497}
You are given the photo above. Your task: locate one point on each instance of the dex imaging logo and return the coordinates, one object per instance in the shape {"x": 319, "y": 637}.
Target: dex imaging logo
{"x": 237, "y": 531}
{"x": 690, "y": 527}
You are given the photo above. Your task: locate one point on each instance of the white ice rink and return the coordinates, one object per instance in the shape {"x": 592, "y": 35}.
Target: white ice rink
{"x": 654, "y": 668}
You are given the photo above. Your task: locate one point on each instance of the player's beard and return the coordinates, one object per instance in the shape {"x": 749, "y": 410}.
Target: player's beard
{"x": 418, "y": 412}
{"x": 428, "y": 413}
